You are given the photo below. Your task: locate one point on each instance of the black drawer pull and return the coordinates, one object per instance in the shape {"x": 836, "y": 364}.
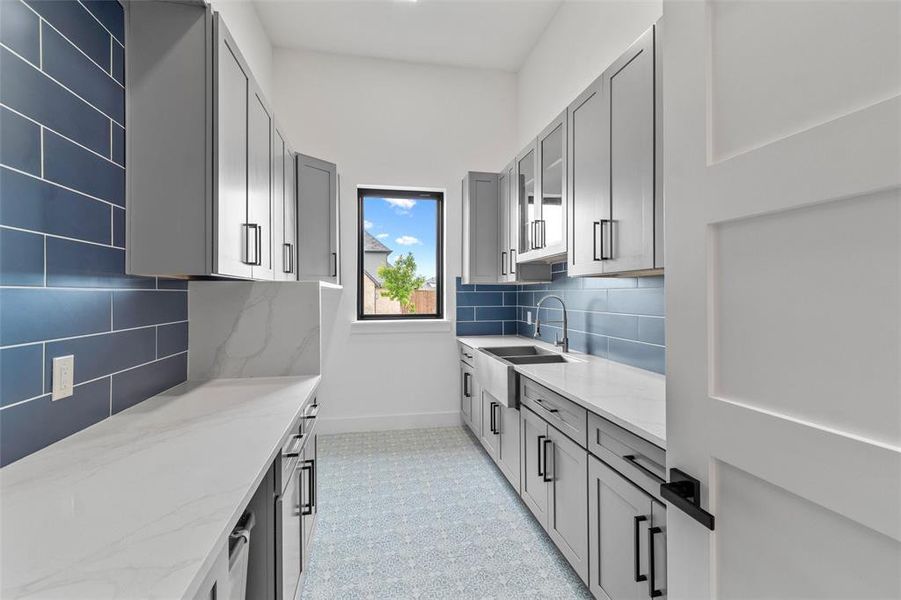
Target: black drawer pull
{"x": 684, "y": 492}
{"x": 635, "y": 558}
{"x": 652, "y": 592}
{"x": 634, "y": 460}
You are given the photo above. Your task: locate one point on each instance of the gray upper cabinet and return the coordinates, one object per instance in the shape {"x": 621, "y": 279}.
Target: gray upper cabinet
{"x": 550, "y": 231}
{"x": 586, "y": 154}
{"x": 200, "y": 150}
{"x": 260, "y": 196}
{"x": 508, "y": 252}
{"x": 511, "y": 270}
{"x": 284, "y": 243}
{"x": 318, "y": 220}
{"x": 615, "y": 197}
{"x": 623, "y": 525}
{"x": 526, "y": 201}
{"x": 481, "y": 247}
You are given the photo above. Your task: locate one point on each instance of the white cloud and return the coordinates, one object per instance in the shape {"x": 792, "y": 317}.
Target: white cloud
{"x": 367, "y": 224}
{"x": 401, "y": 206}
{"x": 382, "y": 236}
{"x": 407, "y": 240}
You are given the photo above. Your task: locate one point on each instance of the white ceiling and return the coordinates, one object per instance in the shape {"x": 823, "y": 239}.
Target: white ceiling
{"x": 467, "y": 33}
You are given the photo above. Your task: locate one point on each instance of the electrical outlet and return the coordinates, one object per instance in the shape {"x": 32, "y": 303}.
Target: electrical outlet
{"x": 528, "y": 317}
{"x": 63, "y": 376}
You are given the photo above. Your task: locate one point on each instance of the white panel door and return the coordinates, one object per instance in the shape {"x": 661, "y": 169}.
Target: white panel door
{"x": 783, "y": 168}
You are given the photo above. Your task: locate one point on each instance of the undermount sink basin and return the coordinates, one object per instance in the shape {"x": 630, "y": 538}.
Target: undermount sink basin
{"x": 508, "y": 351}
{"x": 536, "y": 359}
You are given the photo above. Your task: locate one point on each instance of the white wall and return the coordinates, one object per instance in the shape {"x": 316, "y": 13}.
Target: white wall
{"x": 580, "y": 42}
{"x": 393, "y": 123}
{"x": 242, "y": 21}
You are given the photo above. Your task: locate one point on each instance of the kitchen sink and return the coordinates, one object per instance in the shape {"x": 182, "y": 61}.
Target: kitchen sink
{"x": 504, "y": 351}
{"x": 496, "y": 374}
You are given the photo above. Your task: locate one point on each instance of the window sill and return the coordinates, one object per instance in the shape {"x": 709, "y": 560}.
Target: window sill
{"x": 401, "y": 326}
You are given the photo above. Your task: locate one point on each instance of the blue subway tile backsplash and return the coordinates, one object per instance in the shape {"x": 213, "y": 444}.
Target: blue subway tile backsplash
{"x": 63, "y": 286}
{"x": 618, "y": 318}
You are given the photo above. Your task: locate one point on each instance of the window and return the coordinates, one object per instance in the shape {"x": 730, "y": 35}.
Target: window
{"x": 400, "y": 254}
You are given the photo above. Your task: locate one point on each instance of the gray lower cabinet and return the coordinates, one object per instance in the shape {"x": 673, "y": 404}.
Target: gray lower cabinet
{"x": 554, "y": 487}
{"x": 318, "y": 220}
{"x": 467, "y": 401}
{"x": 500, "y": 436}
{"x": 627, "y": 537}
{"x": 481, "y": 246}
{"x": 199, "y": 172}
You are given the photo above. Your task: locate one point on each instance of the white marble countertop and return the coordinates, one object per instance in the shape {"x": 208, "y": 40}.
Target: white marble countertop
{"x": 633, "y": 398}
{"x": 136, "y": 505}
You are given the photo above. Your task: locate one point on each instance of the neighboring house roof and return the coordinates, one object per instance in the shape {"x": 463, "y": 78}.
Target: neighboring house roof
{"x": 371, "y": 244}
{"x": 375, "y": 280}
{"x": 430, "y": 284}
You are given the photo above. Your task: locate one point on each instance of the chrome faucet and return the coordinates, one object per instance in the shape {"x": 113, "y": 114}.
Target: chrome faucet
{"x": 564, "y": 342}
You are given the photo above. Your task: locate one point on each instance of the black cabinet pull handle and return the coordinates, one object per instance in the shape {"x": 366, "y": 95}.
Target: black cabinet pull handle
{"x": 634, "y": 460}
{"x": 497, "y": 429}
{"x": 603, "y": 245}
{"x": 684, "y": 492}
{"x": 545, "y": 475}
{"x": 307, "y": 508}
{"x": 594, "y": 240}
{"x": 543, "y": 233}
{"x": 636, "y": 557}
{"x": 466, "y": 391}
{"x": 504, "y": 262}
{"x": 540, "y": 470}
{"x": 334, "y": 264}
{"x": 259, "y": 260}
{"x": 512, "y": 261}
{"x": 652, "y": 592}
{"x": 493, "y": 418}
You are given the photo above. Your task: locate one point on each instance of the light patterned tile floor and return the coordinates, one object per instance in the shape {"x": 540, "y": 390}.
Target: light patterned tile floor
{"x": 425, "y": 514}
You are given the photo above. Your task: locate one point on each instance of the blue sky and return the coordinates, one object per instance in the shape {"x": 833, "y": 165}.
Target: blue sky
{"x": 404, "y": 225}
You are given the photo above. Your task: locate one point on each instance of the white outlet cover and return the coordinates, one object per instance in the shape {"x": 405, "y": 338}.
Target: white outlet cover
{"x": 63, "y": 376}
{"x": 528, "y": 317}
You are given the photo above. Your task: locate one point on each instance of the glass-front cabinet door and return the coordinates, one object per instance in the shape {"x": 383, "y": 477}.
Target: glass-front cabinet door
{"x": 527, "y": 207}
{"x": 551, "y": 228}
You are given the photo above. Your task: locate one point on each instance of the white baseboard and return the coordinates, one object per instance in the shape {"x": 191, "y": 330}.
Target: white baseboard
{"x": 388, "y": 422}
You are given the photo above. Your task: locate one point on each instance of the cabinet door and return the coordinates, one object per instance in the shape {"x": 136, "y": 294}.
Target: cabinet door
{"x": 587, "y": 159}
{"x": 619, "y": 515}
{"x": 234, "y": 245}
{"x": 503, "y": 184}
{"x": 508, "y": 445}
{"x": 567, "y": 519}
{"x": 490, "y": 434}
{"x": 290, "y": 225}
{"x": 260, "y": 196}
{"x": 466, "y": 402}
{"x": 551, "y": 185}
{"x": 526, "y": 203}
{"x": 310, "y": 496}
{"x": 629, "y": 89}
{"x": 533, "y": 484}
{"x": 512, "y": 224}
{"x": 334, "y": 229}
{"x": 481, "y": 247}
{"x": 278, "y": 206}
{"x": 317, "y": 183}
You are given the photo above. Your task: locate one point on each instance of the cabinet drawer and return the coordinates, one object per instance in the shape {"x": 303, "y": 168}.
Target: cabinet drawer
{"x": 467, "y": 354}
{"x": 636, "y": 458}
{"x": 563, "y": 414}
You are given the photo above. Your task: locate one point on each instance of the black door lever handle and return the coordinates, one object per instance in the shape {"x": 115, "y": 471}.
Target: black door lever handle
{"x": 684, "y": 492}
